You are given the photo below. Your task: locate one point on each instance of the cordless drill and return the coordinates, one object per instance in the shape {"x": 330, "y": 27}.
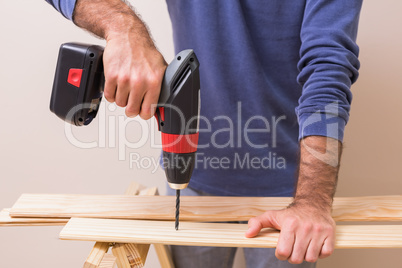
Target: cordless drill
{"x": 78, "y": 89}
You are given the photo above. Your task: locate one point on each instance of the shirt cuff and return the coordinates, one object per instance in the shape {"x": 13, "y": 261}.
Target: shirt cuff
{"x": 321, "y": 124}
{"x": 65, "y": 7}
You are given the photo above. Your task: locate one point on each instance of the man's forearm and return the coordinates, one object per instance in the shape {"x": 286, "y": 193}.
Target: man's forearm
{"x": 307, "y": 228}
{"x": 109, "y": 18}
{"x": 318, "y": 172}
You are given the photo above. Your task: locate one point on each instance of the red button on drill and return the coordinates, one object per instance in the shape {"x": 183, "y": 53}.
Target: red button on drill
{"x": 74, "y": 77}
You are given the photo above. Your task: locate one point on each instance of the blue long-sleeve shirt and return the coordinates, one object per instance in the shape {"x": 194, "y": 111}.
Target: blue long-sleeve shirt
{"x": 272, "y": 72}
{"x": 65, "y": 7}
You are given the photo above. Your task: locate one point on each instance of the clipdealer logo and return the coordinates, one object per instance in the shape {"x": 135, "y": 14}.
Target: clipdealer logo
{"x": 222, "y": 131}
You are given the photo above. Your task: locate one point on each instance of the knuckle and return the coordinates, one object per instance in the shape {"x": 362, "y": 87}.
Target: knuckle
{"x": 111, "y": 76}
{"x": 281, "y": 257}
{"x": 252, "y": 221}
{"x": 323, "y": 256}
{"x": 153, "y": 80}
{"x": 311, "y": 259}
{"x": 137, "y": 81}
{"x": 145, "y": 116}
{"x": 145, "y": 112}
{"x": 326, "y": 253}
{"x": 307, "y": 227}
{"x": 109, "y": 95}
{"x": 282, "y": 254}
{"x": 124, "y": 79}
{"x": 329, "y": 229}
{"x": 131, "y": 111}
{"x": 318, "y": 228}
{"x": 295, "y": 260}
{"x": 120, "y": 102}
{"x": 255, "y": 222}
{"x": 292, "y": 223}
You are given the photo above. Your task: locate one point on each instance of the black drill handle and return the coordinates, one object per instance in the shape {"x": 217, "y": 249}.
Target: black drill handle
{"x": 79, "y": 83}
{"x": 180, "y": 95}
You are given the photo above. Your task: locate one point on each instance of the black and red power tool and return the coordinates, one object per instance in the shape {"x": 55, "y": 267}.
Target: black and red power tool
{"x": 78, "y": 90}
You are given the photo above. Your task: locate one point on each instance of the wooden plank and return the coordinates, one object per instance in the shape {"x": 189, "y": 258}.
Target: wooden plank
{"x": 6, "y": 220}
{"x": 94, "y": 259}
{"x": 108, "y": 261}
{"x": 217, "y": 234}
{"x": 194, "y": 208}
{"x": 96, "y": 256}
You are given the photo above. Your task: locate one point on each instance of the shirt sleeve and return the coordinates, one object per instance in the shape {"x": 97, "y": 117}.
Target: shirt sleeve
{"x": 328, "y": 66}
{"x": 65, "y": 7}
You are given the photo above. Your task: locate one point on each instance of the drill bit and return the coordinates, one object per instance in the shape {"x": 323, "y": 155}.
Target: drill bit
{"x": 176, "y": 225}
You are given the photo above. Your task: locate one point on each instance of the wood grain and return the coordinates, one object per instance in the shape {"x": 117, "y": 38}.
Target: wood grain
{"x": 135, "y": 254}
{"x": 96, "y": 255}
{"x": 121, "y": 256}
{"x": 162, "y": 251}
{"x": 217, "y": 234}
{"x": 194, "y": 208}
{"x": 108, "y": 261}
{"x": 6, "y": 220}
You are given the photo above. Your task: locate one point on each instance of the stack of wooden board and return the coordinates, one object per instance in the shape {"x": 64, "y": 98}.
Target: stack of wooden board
{"x": 149, "y": 219}
{"x": 61, "y": 207}
{"x": 125, "y": 255}
{"x": 217, "y": 234}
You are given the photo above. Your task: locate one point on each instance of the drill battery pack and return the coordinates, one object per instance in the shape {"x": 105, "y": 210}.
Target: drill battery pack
{"x": 78, "y": 83}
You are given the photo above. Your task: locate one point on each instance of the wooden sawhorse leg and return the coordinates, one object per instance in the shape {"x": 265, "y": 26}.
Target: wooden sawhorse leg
{"x": 128, "y": 255}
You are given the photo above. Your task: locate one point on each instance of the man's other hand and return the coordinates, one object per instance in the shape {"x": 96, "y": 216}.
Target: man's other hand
{"x": 306, "y": 232}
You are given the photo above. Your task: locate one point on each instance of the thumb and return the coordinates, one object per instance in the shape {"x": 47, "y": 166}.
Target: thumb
{"x": 262, "y": 221}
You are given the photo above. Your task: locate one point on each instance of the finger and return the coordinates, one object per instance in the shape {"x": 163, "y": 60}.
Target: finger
{"x": 149, "y": 103}
{"x": 122, "y": 92}
{"x": 110, "y": 89}
{"x": 262, "y": 221}
{"x": 328, "y": 247}
{"x": 284, "y": 247}
{"x": 313, "y": 250}
{"x": 152, "y": 92}
{"x": 135, "y": 99}
{"x": 254, "y": 227}
{"x": 300, "y": 246}
{"x": 320, "y": 236}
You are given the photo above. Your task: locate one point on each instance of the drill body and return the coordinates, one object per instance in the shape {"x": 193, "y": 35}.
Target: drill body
{"x": 178, "y": 118}
{"x": 78, "y": 90}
